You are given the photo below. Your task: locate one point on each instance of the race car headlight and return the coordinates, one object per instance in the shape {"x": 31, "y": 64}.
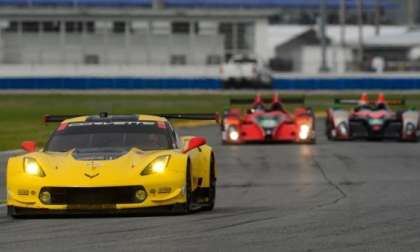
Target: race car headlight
{"x": 31, "y": 167}
{"x": 233, "y": 134}
{"x": 342, "y": 128}
{"x": 304, "y": 132}
{"x": 157, "y": 166}
{"x": 410, "y": 129}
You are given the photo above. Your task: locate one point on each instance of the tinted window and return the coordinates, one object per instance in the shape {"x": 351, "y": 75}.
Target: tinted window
{"x": 106, "y": 135}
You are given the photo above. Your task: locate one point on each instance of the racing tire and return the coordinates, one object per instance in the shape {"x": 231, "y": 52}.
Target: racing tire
{"x": 12, "y": 213}
{"x": 329, "y": 130}
{"x": 186, "y": 207}
{"x": 226, "y": 143}
{"x": 414, "y": 140}
{"x": 212, "y": 187}
{"x": 312, "y": 142}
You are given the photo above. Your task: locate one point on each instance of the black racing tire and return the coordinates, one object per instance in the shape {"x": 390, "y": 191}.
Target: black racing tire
{"x": 11, "y": 212}
{"x": 186, "y": 207}
{"x": 226, "y": 143}
{"x": 329, "y": 129}
{"x": 212, "y": 188}
{"x": 414, "y": 140}
{"x": 312, "y": 142}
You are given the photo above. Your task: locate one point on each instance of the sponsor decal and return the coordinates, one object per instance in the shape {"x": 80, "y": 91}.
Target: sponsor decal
{"x": 82, "y": 124}
{"x": 92, "y": 176}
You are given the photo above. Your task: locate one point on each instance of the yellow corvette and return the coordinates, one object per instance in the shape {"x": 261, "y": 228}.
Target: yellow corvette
{"x": 113, "y": 164}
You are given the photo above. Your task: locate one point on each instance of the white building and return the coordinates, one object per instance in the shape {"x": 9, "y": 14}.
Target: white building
{"x": 305, "y": 54}
{"x": 133, "y": 35}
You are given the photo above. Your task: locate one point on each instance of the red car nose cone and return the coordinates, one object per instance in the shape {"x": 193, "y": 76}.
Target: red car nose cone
{"x": 376, "y": 128}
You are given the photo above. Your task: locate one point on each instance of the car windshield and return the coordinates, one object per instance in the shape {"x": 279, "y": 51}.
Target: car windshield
{"x": 373, "y": 108}
{"x": 111, "y": 135}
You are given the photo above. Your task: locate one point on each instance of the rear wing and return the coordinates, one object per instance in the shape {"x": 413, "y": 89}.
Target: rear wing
{"x": 249, "y": 101}
{"x": 202, "y": 117}
{"x": 58, "y": 118}
{"x": 401, "y": 102}
{"x": 198, "y": 117}
{"x": 395, "y": 102}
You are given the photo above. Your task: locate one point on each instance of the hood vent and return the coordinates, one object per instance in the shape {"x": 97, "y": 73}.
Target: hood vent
{"x": 98, "y": 155}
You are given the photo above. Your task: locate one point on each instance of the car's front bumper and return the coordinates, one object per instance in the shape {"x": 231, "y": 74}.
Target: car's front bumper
{"x": 163, "y": 192}
{"x": 392, "y": 130}
{"x": 272, "y": 139}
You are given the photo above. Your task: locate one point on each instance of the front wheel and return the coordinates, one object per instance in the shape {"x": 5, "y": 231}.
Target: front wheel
{"x": 186, "y": 207}
{"x": 329, "y": 130}
{"x": 212, "y": 187}
{"x": 12, "y": 212}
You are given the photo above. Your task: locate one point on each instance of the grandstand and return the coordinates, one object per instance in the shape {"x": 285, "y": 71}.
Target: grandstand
{"x": 140, "y": 32}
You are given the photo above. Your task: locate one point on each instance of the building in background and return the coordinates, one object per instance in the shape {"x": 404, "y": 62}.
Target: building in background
{"x": 142, "y": 32}
{"x": 126, "y": 32}
{"x": 297, "y": 48}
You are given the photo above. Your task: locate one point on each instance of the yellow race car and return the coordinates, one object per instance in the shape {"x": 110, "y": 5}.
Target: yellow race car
{"x": 113, "y": 164}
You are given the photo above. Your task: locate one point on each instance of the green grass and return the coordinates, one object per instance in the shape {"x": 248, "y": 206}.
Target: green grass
{"x": 21, "y": 115}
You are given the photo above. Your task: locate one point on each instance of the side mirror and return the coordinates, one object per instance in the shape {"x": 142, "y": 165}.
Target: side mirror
{"x": 29, "y": 146}
{"x": 194, "y": 143}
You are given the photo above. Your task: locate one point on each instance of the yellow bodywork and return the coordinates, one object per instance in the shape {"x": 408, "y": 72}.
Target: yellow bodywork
{"x": 63, "y": 170}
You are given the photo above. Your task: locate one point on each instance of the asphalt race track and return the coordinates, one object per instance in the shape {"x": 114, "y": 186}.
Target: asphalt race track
{"x": 331, "y": 196}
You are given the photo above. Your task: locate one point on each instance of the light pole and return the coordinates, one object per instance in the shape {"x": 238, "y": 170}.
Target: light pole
{"x": 343, "y": 10}
{"x": 410, "y": 15}
{"x": 322, "y": 29}
{"x": 360, "y": 54}
{"x": 377, "y": 18}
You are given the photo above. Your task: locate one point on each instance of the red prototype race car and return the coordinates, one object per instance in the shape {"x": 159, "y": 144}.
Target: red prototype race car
{"x": 269, "y": 124}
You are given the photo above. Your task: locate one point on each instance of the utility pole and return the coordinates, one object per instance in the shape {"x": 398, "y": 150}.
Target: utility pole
{"x": 322, "y": 29}
{"x": 377, "y": 18}
{"x": 411, "y": 15}
{"x": 343, "y": 14}
{"x": 360, "y": 54}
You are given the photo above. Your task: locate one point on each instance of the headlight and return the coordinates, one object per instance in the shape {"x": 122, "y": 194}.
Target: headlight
{"x": 343, "y": 129}
{"x": 31, "y": 167}
{"x": 158, "y": 166}
{"x": 233, "y": 134}
{"x": 304, "y": 132}
{"x": 410, "y": 129}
